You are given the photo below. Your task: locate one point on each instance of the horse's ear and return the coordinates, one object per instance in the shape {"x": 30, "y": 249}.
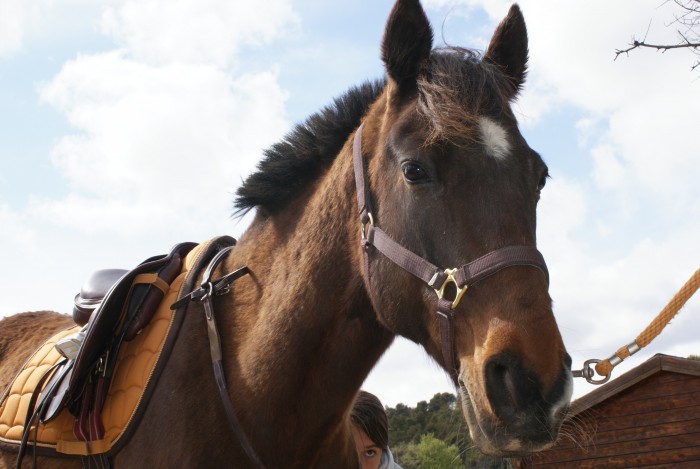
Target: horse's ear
{"x": 408, "y": 40}
{"x": 508, "y": 48}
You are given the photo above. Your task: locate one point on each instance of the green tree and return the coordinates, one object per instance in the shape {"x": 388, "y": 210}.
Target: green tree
{"x": 441, "y": 418}
{"x": 436, "y": 454}
{"x": 429, "y": 453}
{"x": 406, "y": 455}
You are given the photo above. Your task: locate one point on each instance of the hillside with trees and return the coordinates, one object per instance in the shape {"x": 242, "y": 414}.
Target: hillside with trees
{"x": 433, "y": 435}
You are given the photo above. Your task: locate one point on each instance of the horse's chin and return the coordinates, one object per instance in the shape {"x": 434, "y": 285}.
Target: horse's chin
{"x": 490, "y": 437}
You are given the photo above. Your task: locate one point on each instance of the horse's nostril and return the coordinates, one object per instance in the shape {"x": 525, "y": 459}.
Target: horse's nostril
{"x": 513, "y": 392}
{"x": 501, "y": 389}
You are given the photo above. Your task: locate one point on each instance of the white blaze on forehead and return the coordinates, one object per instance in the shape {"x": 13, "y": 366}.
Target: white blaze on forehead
{"x": 494, "y": 138}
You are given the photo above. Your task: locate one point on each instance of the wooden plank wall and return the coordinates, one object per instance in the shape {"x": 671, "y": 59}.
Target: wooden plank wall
{"x": 653, "y": 424}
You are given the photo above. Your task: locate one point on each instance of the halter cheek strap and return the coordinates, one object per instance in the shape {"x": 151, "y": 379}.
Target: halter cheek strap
{"x": 436, "y": 278}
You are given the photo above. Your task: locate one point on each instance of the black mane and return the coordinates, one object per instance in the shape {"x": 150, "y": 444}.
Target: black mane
{"x": 300, "y": 157}
{"x": 459, "y": 88}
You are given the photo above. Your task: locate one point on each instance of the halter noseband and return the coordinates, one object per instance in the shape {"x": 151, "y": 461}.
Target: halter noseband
{"x": 437, "y": 279}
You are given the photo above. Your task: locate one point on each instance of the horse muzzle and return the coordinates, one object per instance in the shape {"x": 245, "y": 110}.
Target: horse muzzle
{"x": 509, "y": 413}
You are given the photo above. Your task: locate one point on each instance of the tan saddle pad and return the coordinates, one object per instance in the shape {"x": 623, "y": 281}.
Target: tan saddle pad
{"x": 134, "y": 374}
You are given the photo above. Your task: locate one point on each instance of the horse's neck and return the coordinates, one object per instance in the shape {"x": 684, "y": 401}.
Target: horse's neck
{"x": 306, "y": 335}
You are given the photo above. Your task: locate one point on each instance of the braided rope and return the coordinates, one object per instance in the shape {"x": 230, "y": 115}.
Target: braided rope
{"x": 604, "y": 367}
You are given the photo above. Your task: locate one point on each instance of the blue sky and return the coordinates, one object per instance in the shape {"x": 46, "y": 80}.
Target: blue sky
{"x": 194, "y": 90}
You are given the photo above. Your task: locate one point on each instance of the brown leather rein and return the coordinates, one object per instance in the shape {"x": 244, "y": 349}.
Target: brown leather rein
{"x": 204, "y": 294}
{"x": 438, "y": 279}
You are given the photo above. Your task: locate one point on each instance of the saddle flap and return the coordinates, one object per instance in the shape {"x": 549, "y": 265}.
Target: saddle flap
{"x": 55, "y": 393}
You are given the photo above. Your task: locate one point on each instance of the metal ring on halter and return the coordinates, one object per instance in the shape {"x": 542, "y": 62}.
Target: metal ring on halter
{"x": 451, "y": 279}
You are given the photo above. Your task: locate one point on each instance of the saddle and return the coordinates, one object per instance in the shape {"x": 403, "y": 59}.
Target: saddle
{"x": 113, "y": 305}
{"x": 91, "y": 401}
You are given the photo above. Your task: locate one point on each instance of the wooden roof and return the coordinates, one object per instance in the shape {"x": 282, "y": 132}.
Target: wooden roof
{"x": 655, "y": 364}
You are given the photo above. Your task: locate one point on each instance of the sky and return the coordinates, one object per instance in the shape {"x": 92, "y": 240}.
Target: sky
{"x": 126, "y": 127}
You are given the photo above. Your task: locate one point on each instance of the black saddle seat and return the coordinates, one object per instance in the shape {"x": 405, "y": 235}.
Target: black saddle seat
{"x": 93, "y": 292}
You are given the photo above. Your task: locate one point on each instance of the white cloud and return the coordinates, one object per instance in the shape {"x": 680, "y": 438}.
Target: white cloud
{"x": 578, "y": 60}
{"x": 406, "y": 374}
{"x": 201, "y": 32}
{"x": 655, "y": 138}
{"x": 449, "y": 3}
{"x": 17, "y": 19}
{"x": 15, "y": 230}
{"x": 23, "y": 22}
{"x": 11, "y": 25}
{"x": 586, "y": 130}
{"x": 608, "y": 171}
{"x": 644, "y": 122}
{"x": 157, "y": 146}
{"x": 561, "y": 215}
{"x": 157, "y": 138}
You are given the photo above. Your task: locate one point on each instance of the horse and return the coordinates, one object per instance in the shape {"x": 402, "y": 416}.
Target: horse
{"x": 445, "y": 178}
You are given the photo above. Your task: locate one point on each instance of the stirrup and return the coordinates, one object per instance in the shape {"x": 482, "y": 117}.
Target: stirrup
{"x": 69, "y": 346}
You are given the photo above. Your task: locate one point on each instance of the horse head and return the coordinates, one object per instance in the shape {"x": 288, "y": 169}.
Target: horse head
{"x": 452, "y": 179}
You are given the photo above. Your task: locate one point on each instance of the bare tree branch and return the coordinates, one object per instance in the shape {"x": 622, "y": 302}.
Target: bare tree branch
{"x": 662, "y": 47}
{"x": 689, "y": 35}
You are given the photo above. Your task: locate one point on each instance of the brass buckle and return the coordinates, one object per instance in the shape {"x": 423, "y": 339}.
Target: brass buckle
{"x": 451, "y": 279}
{"x": 364, "y": 225}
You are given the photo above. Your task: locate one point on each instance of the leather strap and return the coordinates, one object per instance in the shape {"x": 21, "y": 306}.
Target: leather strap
{"x": 204, "y": 294}
{"x": 407, "y": 260}
{"x": 463, "y": 277}
{"x": 446, "y": 316}
{"x": 489, "y": 264}
{"x": 361, "y": 182}
{"x": 97, "y": 461}
{"x": 219, "y": 286}
{"x": 32, "y": 416}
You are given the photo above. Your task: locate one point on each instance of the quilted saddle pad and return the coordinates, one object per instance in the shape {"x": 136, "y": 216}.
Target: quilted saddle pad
{"x": 133, "y": 372}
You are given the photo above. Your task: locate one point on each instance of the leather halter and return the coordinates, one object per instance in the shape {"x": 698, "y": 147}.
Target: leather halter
{"x": 462, "y": 277}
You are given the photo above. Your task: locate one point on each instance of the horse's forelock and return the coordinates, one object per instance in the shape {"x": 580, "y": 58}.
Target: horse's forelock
{"x": 458, "y": 90}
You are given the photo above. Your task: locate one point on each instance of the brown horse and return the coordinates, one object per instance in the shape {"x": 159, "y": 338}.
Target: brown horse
{"x": 450, "y": 179}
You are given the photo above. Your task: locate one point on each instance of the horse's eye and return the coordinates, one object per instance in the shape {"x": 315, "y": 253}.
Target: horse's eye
{"x": 413, "y": 172}
{"x": 543, "y": 181}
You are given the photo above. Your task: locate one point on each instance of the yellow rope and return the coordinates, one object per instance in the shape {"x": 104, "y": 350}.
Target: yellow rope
{"x": 604, "y": 367}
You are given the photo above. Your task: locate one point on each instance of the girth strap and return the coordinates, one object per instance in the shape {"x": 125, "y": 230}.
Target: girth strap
{"x": 462, "y": 277}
